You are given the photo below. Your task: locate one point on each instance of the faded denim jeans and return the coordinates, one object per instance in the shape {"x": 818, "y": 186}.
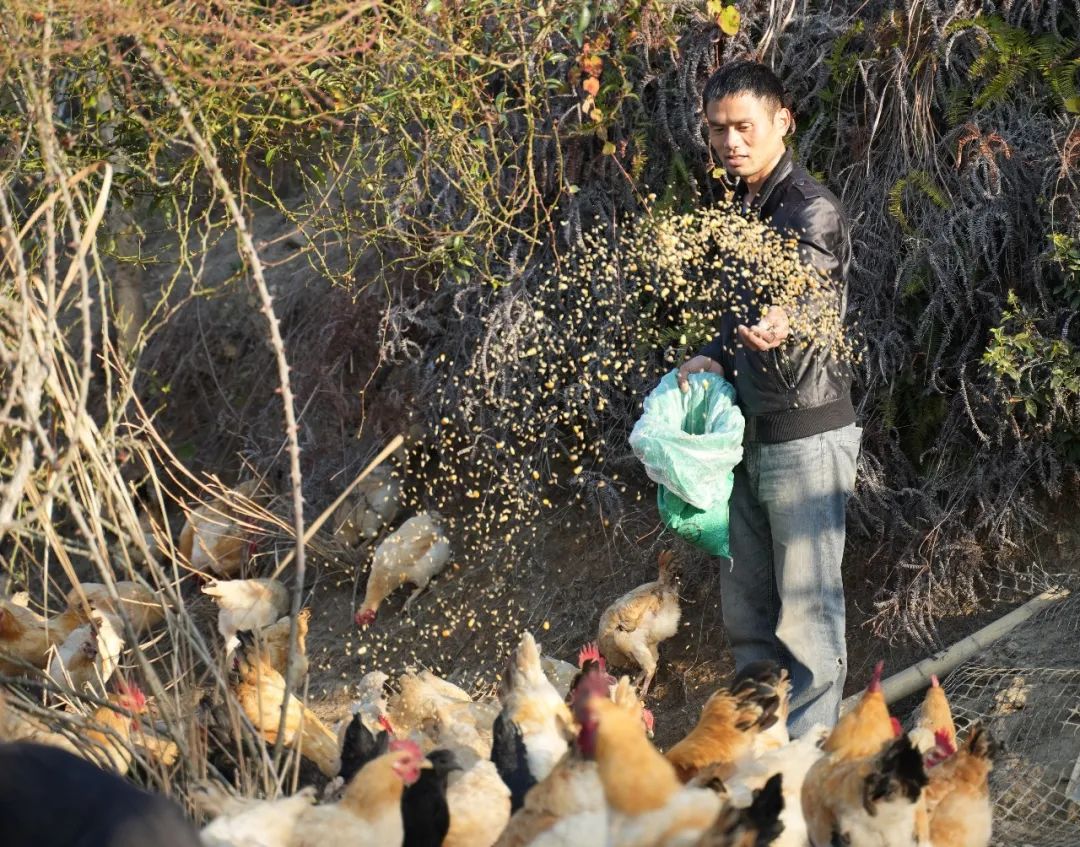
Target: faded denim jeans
{"x": 782, "y": 592}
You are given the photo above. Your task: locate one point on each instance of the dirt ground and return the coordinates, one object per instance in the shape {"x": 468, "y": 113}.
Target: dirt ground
{"x": 469, "y": 619}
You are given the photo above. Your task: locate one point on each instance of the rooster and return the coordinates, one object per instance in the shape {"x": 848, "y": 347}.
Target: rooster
{"x": 373, "y": 506}
{"x": 875, "y": 799}
{"x": 245, "y": 605}
{"x": 414, "y": 553}
{"x": 260, "y": 689}
{"x": 633, "y": 626}
{"x": 729, "y": 723}
{"x": 859, "y": 736}
{"x": 867, "y": 726}
{"x": 89, "y": 655}
{"x": 958, "y": 796}
{"x": 215, "y": 538}
{"x": 934, "y": 717}
{"x": 531, "y": 702}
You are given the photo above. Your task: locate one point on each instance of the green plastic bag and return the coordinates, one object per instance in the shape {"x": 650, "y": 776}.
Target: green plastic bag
{"x": 689, "y": 444}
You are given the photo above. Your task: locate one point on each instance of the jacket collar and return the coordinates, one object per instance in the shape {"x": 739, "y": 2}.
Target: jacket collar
{"x": 779, "y": 174}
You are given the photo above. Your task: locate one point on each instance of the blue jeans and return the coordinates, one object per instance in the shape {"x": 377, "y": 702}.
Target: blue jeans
{"x": 782, "y": 594}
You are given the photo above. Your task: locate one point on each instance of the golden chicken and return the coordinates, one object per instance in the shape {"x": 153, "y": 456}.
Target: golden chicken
{"x": 215, "y": 537}
{"x": 725, "y": 733}
{"x": 867, "y": 726}
{"x": 25, "y": 637}
{"x": 369, "y": 811}
{"x": 633, "y": 626}
{"x": 934, "y": 717}
{"x": 260, "y": 689}
{"x": 531, "y": 702}
{"x": 372, "y": 507}
{"x": 245, "y": 605}
{"x": 876, "y": 799}
{"x": 858, "y": 737}
{"x": 110, "y": 733}
{"x": 89, "y": 655}
{"x": 958, "y": 796}
{"x": 137, "y": 603}
{"x": 414, "y": 553}
{"x": 648, "y": 804}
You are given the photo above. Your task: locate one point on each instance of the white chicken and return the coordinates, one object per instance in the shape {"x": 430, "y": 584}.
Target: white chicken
{"x": 245, "y": 605}
{"x": 414, "y": 553}
{"x": 531, "y": 702}
{"x": 89, "y": 655}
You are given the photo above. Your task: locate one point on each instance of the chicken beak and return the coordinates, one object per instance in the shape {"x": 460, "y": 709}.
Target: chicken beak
{"x": 425, "y": 764}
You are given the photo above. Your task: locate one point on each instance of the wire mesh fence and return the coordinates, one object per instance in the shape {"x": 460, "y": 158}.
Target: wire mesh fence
{"x": 1026, "y": 689}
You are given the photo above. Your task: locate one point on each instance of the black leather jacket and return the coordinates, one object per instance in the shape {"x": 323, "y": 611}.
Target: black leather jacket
{"x": 789, "y": 392}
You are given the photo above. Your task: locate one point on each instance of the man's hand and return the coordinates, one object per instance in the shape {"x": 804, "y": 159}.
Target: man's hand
{"x": 696, "y": 365}
{"x": 771, "y": 331}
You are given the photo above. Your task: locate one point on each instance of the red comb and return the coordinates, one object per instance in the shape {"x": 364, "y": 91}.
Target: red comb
{"x": 943, "y": 749}
{"x": 875, "y": 678}
{"x": 897, "y": 730}
{"x": 934, "y": 681}
{"x": 943, "y": 740}
{"x": 384, "y": 722}
{"x": 591, "y": 652}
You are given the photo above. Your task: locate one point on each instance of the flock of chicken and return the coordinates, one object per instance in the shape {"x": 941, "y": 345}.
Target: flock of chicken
{"x": 562, "y": 756}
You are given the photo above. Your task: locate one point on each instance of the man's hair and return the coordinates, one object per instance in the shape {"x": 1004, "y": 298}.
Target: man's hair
{"x": 745, "y": 77}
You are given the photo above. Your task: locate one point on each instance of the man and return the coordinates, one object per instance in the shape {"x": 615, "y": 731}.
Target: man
{"x": 782, "y": 595}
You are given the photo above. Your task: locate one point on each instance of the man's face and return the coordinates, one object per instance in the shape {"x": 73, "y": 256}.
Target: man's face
{"x": 747, "y": 134}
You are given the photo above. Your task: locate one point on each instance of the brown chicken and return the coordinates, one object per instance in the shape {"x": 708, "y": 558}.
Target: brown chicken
{"x": 260, "y": 690}
{"x": 216, "y": 537}
{"x": 875, "y": 799}
{"x": 137, "y": 603}
{"x": 934, "y": 717}
{"x": 730, "y": 720}
{"x": 958, "y": 796}
{"x": 274, "y": 643}
{"x": 633, "y": 626}
{"x": 26, "y": 636}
